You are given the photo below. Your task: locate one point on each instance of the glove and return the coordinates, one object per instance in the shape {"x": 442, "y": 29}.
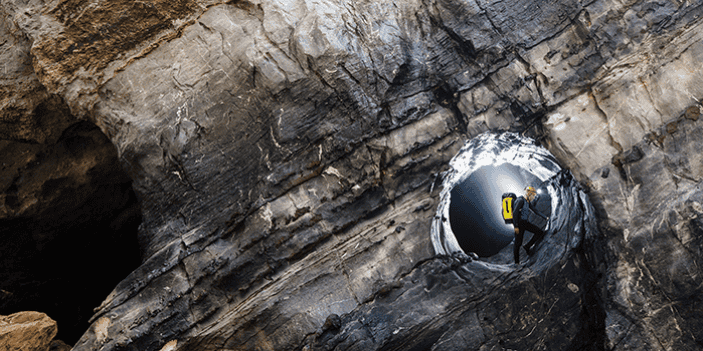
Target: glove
{"x": 517, "y": 230}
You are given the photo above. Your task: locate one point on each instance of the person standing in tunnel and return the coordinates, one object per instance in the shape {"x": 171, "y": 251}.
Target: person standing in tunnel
{"x": 521, "y": 223}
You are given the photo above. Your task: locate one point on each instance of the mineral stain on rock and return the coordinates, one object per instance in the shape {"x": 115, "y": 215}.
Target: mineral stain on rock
{"x": 96, "y": 35}
{"x": 30, "y": 331}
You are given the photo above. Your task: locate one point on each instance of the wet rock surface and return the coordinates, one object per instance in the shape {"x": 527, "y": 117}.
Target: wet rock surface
{"x": 287, "y": 161}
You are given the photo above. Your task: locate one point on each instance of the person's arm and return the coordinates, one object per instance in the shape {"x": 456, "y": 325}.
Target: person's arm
{"x": 519, "y": 202}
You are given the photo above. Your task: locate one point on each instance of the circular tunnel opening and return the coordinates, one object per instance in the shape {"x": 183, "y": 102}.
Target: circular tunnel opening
{"x": 469, "y": 216}
{"x": 475, "y": 207}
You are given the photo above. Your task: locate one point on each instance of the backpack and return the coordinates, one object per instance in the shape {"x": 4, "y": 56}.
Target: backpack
{"x": 532, "y": 216}
{"x": 507, "y": 202}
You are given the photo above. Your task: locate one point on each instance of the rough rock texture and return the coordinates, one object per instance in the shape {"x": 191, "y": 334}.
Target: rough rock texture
{"x": 653, "y": 278}
{"x": 26, "y": 331}
{"x": 286, "y": 156}
{"x": 63, "y": 199}
{"x": 639, "y": 156}
{"x": 456, "y": 303}
{"x": 21, "y": 93}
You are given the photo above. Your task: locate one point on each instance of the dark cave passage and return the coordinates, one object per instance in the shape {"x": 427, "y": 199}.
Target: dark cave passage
{"x": 469, "y": 216}
{"x": 475, "y": 208}
{"x": 65, "y": 256}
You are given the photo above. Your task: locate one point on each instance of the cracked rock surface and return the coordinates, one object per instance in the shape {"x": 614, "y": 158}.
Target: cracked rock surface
{"x": 287, "y": 157}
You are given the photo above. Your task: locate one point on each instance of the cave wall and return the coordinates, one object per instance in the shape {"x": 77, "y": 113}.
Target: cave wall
{"x": 64, "y": 199}
{"x": 286, "y": 154}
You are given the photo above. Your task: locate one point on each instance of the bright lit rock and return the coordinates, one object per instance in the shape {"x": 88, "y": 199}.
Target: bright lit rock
{"x": 580, "y": 134}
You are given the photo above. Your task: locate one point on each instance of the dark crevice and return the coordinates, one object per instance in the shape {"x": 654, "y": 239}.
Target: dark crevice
{"x": 63, "y": 255}
{"x": 450, "y": 100}
{"x": 592, "y": 335}
{"x": 465, "y": 47}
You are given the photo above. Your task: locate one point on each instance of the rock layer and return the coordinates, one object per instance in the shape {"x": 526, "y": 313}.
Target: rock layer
{"x": 286, "y": 157}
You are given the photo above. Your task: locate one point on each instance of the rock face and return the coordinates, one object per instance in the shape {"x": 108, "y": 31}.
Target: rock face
{"x": 455, "y": 303}
{"x": 287, "y": 158}
{"x": 63, "y": 199}
{"x": 26, "y": 331}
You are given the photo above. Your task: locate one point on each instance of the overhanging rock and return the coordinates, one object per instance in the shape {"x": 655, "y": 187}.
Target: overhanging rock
{"x": 280, "y": 151}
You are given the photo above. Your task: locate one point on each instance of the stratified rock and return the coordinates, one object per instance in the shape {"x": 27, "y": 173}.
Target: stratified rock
{"x": 288, "y": 155}
{"x": 653, "y": 280}
{"x": 21, "y": 93}
{"x": 26, "y": 331}
{"x": 636, "y": 124}
{"x": 455, "y": 303}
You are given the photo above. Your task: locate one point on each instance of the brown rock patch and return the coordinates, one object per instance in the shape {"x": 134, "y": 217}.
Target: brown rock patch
{"x": 97, "y": 34}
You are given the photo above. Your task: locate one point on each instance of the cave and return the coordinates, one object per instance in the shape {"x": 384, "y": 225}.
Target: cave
{"x": 295, "y": 169}
{"x": 68, "y": 233}
{"x": 474, "y": 210}
{"x": 470, "y": 209}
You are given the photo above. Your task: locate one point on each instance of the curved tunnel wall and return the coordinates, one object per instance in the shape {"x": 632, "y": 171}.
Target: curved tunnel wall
{"x": 468, "y": 217}
{"x": 474, "y": 209}
{"x": 454, "y": 302}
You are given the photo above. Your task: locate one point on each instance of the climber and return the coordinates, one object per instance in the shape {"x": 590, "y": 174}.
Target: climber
{"x": 524, "y": 218}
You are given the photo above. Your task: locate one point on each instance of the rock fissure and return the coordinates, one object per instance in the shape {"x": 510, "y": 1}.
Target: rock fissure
{"x": 602, "y": 113}
{"x": 490, "y": 19}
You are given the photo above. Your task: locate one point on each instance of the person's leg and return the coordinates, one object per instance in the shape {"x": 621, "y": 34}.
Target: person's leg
{"x": 537, "y": 235}
{"x": 518, "y": 243}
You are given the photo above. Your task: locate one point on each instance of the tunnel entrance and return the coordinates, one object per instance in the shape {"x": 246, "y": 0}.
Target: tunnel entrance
{"x": 68, "y": 226}
{"x": 469, "y": 218}
{"x": 475, "y": 207}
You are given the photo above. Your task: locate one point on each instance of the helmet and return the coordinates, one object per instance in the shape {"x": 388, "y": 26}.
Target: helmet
{"x": 530, "y": 189}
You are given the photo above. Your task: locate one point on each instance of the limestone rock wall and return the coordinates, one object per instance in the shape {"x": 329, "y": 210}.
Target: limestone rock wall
{"x": 285, "y": 154}
{"x": 631, "y": 136}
